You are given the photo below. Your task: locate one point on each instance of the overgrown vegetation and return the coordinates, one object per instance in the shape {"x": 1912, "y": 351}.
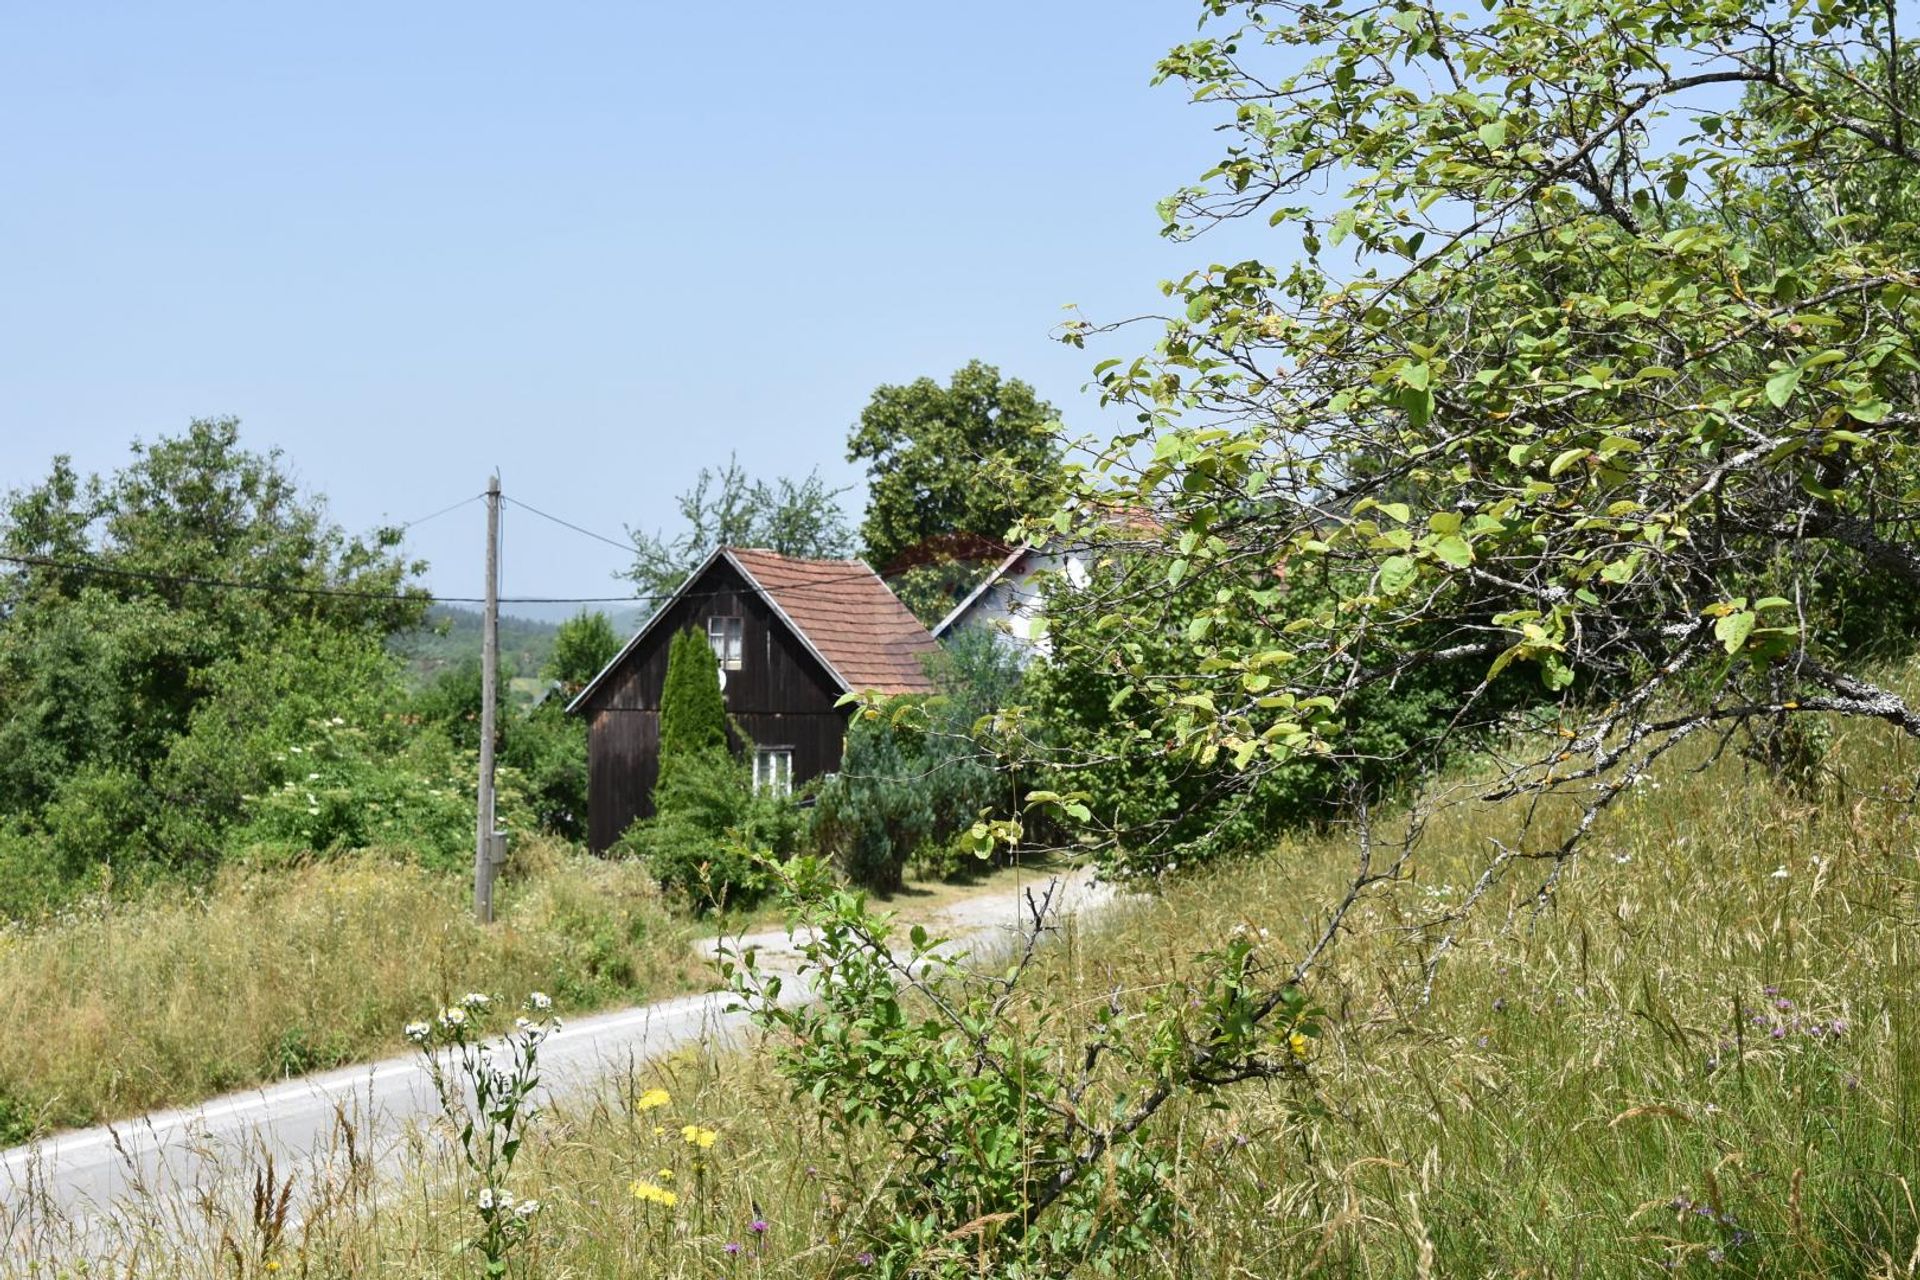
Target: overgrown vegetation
{"x": 114, "y": 1007}
{"x": 1703, "y": 1055}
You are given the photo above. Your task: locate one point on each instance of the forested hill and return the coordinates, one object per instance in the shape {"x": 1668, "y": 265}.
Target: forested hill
{"x": 451, "y": 635}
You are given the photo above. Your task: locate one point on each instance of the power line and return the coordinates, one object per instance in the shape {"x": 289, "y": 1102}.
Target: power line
{"x": 350, "y": 593}
{"x": 442, "y": 511}
{"x": 612, "y": 542}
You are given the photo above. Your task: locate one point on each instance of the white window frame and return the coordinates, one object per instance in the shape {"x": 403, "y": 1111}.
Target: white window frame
{"x": 773, "y": 770}
{"x": 727, "y": 636}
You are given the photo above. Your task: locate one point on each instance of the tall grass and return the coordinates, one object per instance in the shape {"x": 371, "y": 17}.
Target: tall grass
{"x": 113, "y": 1009}
{"x": 1701, "y": 1056}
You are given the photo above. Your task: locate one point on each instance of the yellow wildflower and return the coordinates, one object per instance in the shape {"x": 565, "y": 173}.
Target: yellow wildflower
{"x": 695, "y": 1136}
{"x": 1299, "y": 1044}
{"x": 653, "y": 1193}
{"x": 665, "y": 1175}
{"x": 652, "y": 1098}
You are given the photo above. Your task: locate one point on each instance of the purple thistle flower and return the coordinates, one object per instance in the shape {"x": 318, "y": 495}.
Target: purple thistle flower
{"x": 1839, "y": 1026}
{"x": 733, "y": 1247}
{"x": 1778, "y": 1032}
{"x": 758, "y": 1226}
{"x": 864, "y": 1258}
{"x": 1783, "y": 1005}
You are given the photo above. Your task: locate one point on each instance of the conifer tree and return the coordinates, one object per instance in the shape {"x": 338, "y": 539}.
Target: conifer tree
{"x": 693, "y": 715}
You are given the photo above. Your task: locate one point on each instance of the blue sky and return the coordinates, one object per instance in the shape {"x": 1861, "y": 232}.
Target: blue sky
{"x": 597, "y": 246}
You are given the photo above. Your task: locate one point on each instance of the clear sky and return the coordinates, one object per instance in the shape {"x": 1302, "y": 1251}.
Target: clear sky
{"x": 595, "y": 245}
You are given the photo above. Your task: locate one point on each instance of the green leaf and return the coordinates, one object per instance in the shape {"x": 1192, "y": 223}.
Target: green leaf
{"x": 1733, "y": 630}
{"x": 1781, "y": 386}
{"x": 1494, "y": 135}
{"x": 1454, "y": 550}
{"x": 1566, "y": 460}
{"x": 1397, "y": 574}
{"x": 1871, "y": 411}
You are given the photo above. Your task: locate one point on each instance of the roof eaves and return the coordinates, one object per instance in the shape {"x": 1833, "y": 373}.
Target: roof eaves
{"x": 579, "y": 699}
{"x": 986, "y": 583}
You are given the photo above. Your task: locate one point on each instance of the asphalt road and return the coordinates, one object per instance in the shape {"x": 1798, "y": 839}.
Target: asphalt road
{"x": 211, "y": 1151}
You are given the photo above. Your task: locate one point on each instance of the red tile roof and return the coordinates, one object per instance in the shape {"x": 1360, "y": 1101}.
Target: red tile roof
{"x": 850, "y": 617}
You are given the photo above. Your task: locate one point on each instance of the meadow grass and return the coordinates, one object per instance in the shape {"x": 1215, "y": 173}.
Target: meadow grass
{"x": 1701, "y": 1057}
{"x": 114, "y": 1008}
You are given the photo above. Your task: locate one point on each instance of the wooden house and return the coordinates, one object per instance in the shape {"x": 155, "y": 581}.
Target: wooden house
{"x": 792, "y": 637}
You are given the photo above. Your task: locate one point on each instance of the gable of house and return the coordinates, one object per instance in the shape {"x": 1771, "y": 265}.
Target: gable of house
{"x": 794, "y": 637}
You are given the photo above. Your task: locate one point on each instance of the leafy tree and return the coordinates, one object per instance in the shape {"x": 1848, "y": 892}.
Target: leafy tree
{"x": 727, "y": 508}
{"x": 583, "y": 645}
{"x": 116, "y": 629}
{"x": 1575, "y": 403}
{"x": 452, "y": 703}
{"x": 969, "y": 458}
{"x": 1612, "y": 387}
{"x": 1153, "y": 805}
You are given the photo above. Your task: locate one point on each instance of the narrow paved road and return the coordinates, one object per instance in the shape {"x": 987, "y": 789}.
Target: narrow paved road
{"x": 211, "y": 1150}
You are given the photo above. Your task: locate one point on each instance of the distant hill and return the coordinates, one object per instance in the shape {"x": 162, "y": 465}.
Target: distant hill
{"x": 451, "y": 635}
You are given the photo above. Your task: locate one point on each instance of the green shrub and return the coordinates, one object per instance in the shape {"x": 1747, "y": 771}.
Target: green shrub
{"x": 548, "y": 748}
{"x": 693, "y": 714}
{"x": 874, "y": 814}
{"x": 346, "y": 791}
{"x": 709, "y": 828}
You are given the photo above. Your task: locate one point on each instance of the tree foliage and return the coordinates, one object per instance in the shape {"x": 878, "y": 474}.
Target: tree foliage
{"x": 582, "y": 646}
{"x": 728, "y": 508}
{"x": 137, "y": 691}
{"x": 1599, "y": 371}
{"x": 874, "y": 813}
{"x": 969, "y": 458}
{"x": 693, "y": 713}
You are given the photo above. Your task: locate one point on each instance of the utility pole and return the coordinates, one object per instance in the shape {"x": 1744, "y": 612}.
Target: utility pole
{"x": 489, "y": 849}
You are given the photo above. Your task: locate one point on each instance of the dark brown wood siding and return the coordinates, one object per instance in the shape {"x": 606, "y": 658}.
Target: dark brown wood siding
{"x": 782, "y": 696}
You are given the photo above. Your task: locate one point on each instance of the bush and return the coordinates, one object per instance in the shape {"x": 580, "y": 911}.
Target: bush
{"x": 548, "y": 748}
{"x": 1153, "y": 807}
{"x": 876, "y": 812}
{"x": 346, "y": 791}
{"x": 709, "y": 829}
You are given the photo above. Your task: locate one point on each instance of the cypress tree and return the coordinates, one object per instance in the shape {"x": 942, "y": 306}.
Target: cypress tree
{"x": 693, "y": 715}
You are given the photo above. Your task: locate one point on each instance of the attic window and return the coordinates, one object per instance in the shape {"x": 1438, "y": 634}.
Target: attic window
{"x": 724, "y": 635}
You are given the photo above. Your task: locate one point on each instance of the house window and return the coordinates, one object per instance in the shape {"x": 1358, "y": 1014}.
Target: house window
{"x": 724, "y": 635}
{"x": 773, "y": 770}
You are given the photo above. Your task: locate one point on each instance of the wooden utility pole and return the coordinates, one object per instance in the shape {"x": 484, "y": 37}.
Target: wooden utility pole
{"x": 489, "y": 849}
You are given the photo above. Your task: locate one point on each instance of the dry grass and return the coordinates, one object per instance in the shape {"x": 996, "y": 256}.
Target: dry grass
{"x": 1595, "y": 1090}
{"x": 112, "y": 1009}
